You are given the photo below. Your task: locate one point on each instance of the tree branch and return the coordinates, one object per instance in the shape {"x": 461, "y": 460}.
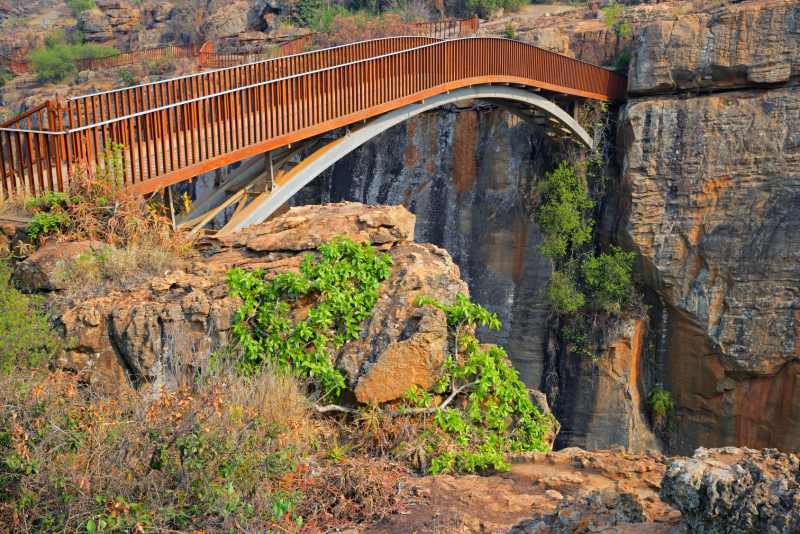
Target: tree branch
{"x": 434, "y": 409}
{"x": 411, "y": 411}
{"x": 333, "y": 408}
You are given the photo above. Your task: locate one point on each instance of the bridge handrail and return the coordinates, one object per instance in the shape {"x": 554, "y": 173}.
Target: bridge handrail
{"x": 326, "y": 69}
{"x": 252, "y": 63}
{"x": 177, "y": 140}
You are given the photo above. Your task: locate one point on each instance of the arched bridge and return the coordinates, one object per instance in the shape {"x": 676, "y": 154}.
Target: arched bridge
{"x": 178, "y": 129}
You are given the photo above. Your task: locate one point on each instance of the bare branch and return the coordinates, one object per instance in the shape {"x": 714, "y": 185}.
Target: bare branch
{"x": 434, "y": 409}
{"x": 333, "y": 408}
{"x": 411, "y": 411}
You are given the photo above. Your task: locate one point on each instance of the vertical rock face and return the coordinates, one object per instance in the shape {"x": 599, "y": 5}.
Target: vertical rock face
{"x": 713, "y": 190}
{"x": 469, "y": 178}
{"x": 598, "y": 400}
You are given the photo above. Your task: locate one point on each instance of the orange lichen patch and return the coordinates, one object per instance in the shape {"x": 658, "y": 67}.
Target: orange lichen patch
{"x": 759, "y": 402}
{"x": 706, "y": 202}
{"x": 465, "y": 141}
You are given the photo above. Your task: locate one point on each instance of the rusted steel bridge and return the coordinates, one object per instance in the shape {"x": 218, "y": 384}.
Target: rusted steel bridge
{"x": 272, "y": 112}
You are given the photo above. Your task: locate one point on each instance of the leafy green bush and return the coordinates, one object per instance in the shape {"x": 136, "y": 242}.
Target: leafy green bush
{"x": 609, "y": 277}
{"x": 56, "y": 59}
{"x": 563, "y": 294}
{"x": 616, "y": 19}
{"x": 47, "y": 222}
{"x": 661, "y": 406}
{"x": 26, "y": 338}
{"x": 127, "y": 78}
{"x": 50, "y": 213}
{"x": 580, "y": 276}
{"x": 306, "y": 12}
{"x": 495, "y": 416}
{"x": 486, "y": 8}
{"x": 623, "y": 61}
{"x": 562, "y": 212}
{"x": 509, "y": 32}
{"x": 343, "y": 285}
{"x": 79, "y": 6}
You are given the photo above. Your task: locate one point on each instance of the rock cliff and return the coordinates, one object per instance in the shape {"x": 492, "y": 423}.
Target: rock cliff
{"x": 711, "y": 187}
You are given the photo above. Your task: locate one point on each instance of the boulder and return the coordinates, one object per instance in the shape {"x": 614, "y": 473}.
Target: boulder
{"x": 38, "y": 272}
{"x": 735, "y": 491}
{"x": 403, "y": 345}
{"x": 145, "y": 332}
{"x": 306, "y": 227}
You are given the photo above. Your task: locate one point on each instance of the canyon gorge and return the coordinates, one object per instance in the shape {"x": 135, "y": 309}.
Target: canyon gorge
{"x": 697, "y": 173}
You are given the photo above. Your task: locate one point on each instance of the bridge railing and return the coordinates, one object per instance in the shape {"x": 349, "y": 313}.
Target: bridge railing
{"x": 440, "y": 29}
{"x": 129, "y": 58}
{"x": 98, "y": 107}
{"x": 174, "y": 140}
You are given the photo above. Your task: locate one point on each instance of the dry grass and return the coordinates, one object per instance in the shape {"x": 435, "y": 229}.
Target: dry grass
{"x": 211, "y": 455}
{"x": 94, "y": 272}
{"x": 217, "y": 453}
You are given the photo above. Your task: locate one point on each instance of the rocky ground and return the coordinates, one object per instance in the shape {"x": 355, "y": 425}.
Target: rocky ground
{"x": 119, "y": 333}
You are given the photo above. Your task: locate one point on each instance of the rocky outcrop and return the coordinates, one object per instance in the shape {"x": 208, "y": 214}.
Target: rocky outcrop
{"x": 404, "y": 345}
{"x": 736, "y": 491}
{"x": 570, "y": 491}
{"x": 178, "y": 319}
{"x": 39, "y": 271}
{"x": 741, "y": 45}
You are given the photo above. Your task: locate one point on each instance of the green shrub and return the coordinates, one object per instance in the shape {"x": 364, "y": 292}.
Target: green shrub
{"x": 53, "y": 63}
{"x": 305, "y": 12}
{"x": 160, "y": 67}
{"x": 127, "y": 78}
{"x": 622, "y": 62}
{"x": 486, "y": 8}
{"x": 661, "y": 406}
{"x": 56, "y": 60}
{"x": 509, "y": 32}
{"x": 562, "y": 213}
{"x": 495, "y": 417}
{"x": 609, "y": 278}
{"x": 616, "y": 19}
{"x": 46, "y": 223}
{"x": 79, "y": 6}
{"x": 562, "y": 293}
{"x": 342, "y": 283}
{"x": 26, "y": 339}
{"x": 50, "y": 213}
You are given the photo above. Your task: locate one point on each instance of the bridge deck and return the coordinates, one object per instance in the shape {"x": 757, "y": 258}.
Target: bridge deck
{"x": 180, "y": 128}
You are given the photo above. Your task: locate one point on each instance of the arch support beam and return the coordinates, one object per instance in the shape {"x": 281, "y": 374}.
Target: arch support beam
{"x": 290, "y": 183}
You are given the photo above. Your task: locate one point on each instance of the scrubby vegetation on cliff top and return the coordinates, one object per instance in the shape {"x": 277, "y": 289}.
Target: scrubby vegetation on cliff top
{"x": 57, "y": 57}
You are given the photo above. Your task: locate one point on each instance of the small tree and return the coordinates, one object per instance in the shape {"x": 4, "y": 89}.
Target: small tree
{"x": 562, "y": 213}
{"x": 616, "y": 19}
{"x": 609, "y": 277}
